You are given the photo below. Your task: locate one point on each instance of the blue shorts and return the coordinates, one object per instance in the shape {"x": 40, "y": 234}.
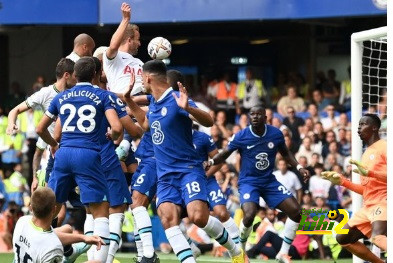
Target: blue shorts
{"x": 82, "y": 166}
{"x": 273, "y": 193}
{"x": 144, "y": 180}
{"x": 182, "y": 188}
{"x": 117, "y": 186}
{"x": 49, "y": 167}
{"x": 216, "y": 197}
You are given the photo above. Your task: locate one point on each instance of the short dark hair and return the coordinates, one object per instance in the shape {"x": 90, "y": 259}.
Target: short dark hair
{"x": 173, "y": 77}
{"x": 155, "y": 66}
{"x": 85, "y": 69}
{"x": 42, "y": 202}
{"x": 374, "y": 118}
{"x": 63, "y": 66}
{"x": 98, "y": 64}
{"x": 258, "y": 107}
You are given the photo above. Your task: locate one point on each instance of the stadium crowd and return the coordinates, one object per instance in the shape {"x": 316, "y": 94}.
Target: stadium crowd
{"x": 315, "y": 123}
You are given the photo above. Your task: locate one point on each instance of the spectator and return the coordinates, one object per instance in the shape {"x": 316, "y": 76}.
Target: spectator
{"x": 331, "y": 121}
{"x": 318, "y": 186}
{"x": 306, "y": 149}
{"x": 249, "y": 93}
{"x": 225, "y": 94}
{"x": 334, "y": 149}
{"x": 221, "y": 123}
{"x": 330, "y": 137}
{"x": 288, "y": 179}
{"x": 38, "y": 84}
{"x": 331, "y": 87}
{"x": 269, "y": 116}
{"x": 288, "y": 142}
{"x": 306, "y": 200}
{"x": 330, "y": 161}
{"x": 13, "y": 153}
{"x": 8, "y": 220}
{"x": 291, "y": 100}
{"x": 216, "y": 136}
{"x": 313, "y": 113}
{"x": 293, "y": 123}
{"x": 16, "y": 186}
{"x": 318, "y": 100}
{"x": 243, "y": 121}
{"x": 276, "y": 122}
{"x": 344, "y": 144}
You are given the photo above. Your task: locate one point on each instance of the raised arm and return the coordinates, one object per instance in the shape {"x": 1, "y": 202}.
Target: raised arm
{"x": 13, "y": 115}
{"x": 117, "y": 37}
{"x": 338, "y": 179}
{"x": 132, "y": 129}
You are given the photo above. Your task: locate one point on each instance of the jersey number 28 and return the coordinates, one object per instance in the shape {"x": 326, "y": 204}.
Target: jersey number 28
{"x": 85, "y": 122}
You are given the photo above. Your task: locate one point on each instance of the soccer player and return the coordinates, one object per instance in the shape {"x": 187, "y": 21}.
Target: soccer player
{"x": 371, "y": 220}
{"x": 81, "y": 111}
{"x": 34, "y": 239}
{"x": 181, "y": 178}
{"x": 83, "y": 46}
{"x": 42, "y": 99}
{"x": 258, "y": 145}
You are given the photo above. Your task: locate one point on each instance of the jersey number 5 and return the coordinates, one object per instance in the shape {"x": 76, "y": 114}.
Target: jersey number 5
{"x": 83, "y": 118}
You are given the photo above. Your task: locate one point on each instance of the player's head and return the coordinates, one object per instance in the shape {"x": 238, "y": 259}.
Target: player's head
{"x": 258, "y": 116}
{"x": 369, "y": 126}
{"x": 174, "y": 76}
{"x": 85, "y": 69}
{"x": 84, "y": 45}
{"x": 65, "y": 72}
{"x": 131, "y": 39}
{"x": 43, "y": 203}
{"x": 153, "y": 71}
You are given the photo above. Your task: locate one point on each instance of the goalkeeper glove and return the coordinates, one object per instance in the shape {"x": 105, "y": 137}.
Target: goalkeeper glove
{"x": 333, "y": 177}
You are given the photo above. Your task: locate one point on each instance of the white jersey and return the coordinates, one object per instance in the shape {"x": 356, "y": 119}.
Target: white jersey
{"x": 118, "y": 72}
{"x": 73, "y": 56}
{"x": 33, "y": 245}
{"x": 41, "y": 100}
{"x": 289, "y": 180}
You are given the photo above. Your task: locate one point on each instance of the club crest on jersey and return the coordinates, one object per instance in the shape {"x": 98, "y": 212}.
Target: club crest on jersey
{"x": 246, "y": 196}
{"x": 164, "y": 111}
{"x": 270, "y": 145}
{"x": 372, "y": 157}
{"x": 157, "y": 136}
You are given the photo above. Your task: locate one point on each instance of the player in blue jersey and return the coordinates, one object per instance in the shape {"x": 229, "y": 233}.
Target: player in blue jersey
{"x": 258, "y": 145}
{"x": 81, "y": 111}
{"x": 181, "y": 178}
{"x": 206, "y": 147}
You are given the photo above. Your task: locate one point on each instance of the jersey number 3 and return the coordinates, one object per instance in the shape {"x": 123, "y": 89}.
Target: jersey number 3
{"x": 85, "y": 122}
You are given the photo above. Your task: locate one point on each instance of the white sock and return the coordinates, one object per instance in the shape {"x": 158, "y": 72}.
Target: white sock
{"x": 289, "y": 235}
{"x": 115, "y": 224}
{"x": 142, "y": 219}
{"x": 138, "y": 242}
{"x": 244, "y": 233}
{"x": 195, "y": 250}
{"x": 101, "y": 229}
{"x": 232, "y": 229}
{"x": 89, "y": 230}
{"x": 126, "y": 145}
{"x": 179, "y": 245}
{"x": 216, "y": 230}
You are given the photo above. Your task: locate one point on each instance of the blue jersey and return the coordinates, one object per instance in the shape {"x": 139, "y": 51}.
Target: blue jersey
{"x": 203, "y": 144}
{"x": 171, "y": 129}
{"x": 81, "y": 110}
{"x": 109, "y": 157}
{"x": 258, "y": 154}
{"x": 145, "y": 147}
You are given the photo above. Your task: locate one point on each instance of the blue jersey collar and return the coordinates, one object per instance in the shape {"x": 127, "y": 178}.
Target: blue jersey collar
{"x": 256, "y": 134}
{"x": 164, "y": 94}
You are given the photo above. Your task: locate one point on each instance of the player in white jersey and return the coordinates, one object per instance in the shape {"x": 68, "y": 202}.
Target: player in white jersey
{"x": 83, "y": 46}
{"x": 119, "y": 60}
{"x": 41, "y": 99}
{"x": 34, "y": 239}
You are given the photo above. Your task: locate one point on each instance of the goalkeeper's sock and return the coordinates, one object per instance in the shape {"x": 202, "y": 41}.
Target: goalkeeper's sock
{"x": 360, "y": 250}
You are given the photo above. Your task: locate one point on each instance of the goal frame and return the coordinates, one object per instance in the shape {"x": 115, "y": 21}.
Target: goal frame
{"x": 357, "y": 101}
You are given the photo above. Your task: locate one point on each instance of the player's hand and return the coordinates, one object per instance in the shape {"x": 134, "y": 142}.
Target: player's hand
{"x": 34, "y": 184}
{"x": 361, "y": 169}
{"x": 12, "y": 129}
{"x": 94, "y": 240}
{"x": 108, "y": 134}
{"x": 334, "y": 177}
{"x": 54, "y": 149}
{"x": 182, "y": 100}
{"x": 305, "y": 173}
{"x": 127, "y": 94}
{"x": 126, "y": 11}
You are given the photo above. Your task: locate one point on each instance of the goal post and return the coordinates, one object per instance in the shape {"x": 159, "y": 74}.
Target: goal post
{"x": 368, "y": 87}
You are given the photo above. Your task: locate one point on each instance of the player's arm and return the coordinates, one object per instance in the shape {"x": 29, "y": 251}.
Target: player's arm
{"x": 200, "y": 116}
{"x": 213, "y": 169}
{"x": 291, "y": 160}
{"x": 363, "y": 171}
{"x": 42, "y": 130}
{"x": 13, "y": 115}
{"x": 114, "y": 122}
{"x": 137, "y": 111}
{"x": 36, "y": 163}
{"x": 338, "y": 179}
{"x": 132, "y": 129}
{"x": 71, "y": 238}
{"x": 117, "y": 37}
{"x": 299, "y": 194}
{"x": 57, "y": 131}
{"x": 220, "y": 157}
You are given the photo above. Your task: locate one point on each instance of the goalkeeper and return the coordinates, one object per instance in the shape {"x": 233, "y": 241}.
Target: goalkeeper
{"x": 371, "y": 220}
